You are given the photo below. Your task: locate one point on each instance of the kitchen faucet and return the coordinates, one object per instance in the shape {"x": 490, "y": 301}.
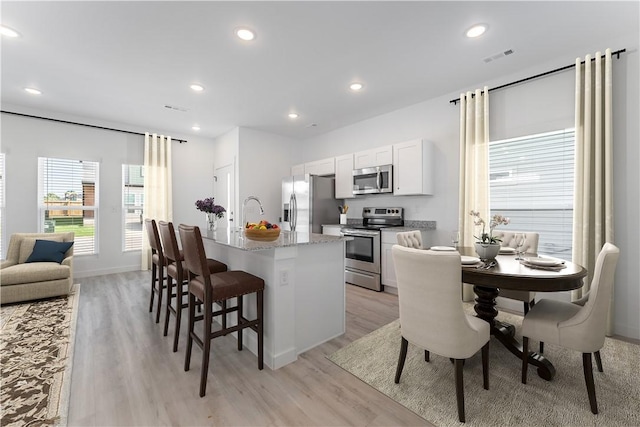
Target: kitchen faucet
{"x": 244, "y": 205}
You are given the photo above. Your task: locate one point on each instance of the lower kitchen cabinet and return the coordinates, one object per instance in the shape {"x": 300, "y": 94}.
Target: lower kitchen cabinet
{"x": 388, "y": 270}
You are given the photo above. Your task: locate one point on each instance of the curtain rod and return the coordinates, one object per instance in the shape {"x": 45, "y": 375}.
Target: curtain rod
{"x": 616, "y": 53}
{"x": 82, "y": 124}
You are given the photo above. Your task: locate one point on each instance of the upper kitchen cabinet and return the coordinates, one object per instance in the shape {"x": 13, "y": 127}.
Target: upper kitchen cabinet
{"x": 321, "y": 167}
{"x": 297, "y": 170}
{"x": 344, "y": 177}
{"x": 374, "y": 157}
{"x": 413, "y": 168}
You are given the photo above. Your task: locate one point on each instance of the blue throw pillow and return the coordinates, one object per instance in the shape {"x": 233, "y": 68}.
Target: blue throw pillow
{"x": 49, "y": 251}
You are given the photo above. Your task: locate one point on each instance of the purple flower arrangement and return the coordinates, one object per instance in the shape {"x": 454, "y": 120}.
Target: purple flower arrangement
{"x": 208, "y": 205}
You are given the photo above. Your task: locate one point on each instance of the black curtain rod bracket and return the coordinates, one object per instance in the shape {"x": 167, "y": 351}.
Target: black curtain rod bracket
{"x": 566, "y": 67}
{"x": 82, "y": 124}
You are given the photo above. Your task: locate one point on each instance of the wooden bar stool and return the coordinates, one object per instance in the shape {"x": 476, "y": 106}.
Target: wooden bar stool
{"x": 158, "y": 262}
{"x": 209, "y": 288}
{"x": 178, "y": 276}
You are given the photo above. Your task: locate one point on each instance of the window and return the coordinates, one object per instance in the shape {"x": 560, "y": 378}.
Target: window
{"x": 531, "y": 182}
{"x": 68, "y": 200}
{"x": 132, "y": 204}
{"x": 2, "y": 204}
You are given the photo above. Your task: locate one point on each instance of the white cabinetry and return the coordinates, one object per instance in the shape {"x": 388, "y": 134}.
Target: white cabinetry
{"x": 413, "y": 168}
{"x": 374, "y": 157}
{"x": 388, "y": 270}
{"x": 344, "y": 177}
{"x": 317, "y": 167}
{"x": 321, "y": 167}
{"x": 297, "y": 170}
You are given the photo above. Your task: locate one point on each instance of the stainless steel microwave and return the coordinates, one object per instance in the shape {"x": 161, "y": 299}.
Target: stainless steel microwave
{"x": 373, "y": 180}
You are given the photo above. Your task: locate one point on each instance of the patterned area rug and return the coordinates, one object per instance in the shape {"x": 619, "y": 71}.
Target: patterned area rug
{"x": 36, "y": 355}
{"x": 428, "y": 389}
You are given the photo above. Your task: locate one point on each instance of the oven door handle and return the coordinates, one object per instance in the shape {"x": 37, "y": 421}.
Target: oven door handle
{"x": 360, "y": 233}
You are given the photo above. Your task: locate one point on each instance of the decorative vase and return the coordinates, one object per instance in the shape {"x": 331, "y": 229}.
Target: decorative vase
{"x": 212, "y": 222}
{"x": 487, "y": 250}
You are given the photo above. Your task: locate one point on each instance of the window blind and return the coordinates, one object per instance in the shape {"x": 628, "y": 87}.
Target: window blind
{"x": 68, "y": 200}
{"x": 531, "y": 182}
{"x": 132, "y": 206}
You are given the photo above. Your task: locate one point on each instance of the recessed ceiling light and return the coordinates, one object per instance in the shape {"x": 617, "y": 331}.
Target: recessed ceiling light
{"x": 197, "y": 87}
{"x": 195, "y": 127}
{"x": 476, "y": 30}
{"x": 293, "y": 115}
{"x": 356, "y": 86}
{"x": 245, "y": 34}
{"x": 6, "y": 31}
{"x": 32, "y": 91}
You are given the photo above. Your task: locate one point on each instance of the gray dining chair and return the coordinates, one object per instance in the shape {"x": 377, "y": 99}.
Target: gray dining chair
{"x": 530, "y": 246}
{"x": 410, "y": 239}
{"x": 432, "y": 316}
{"x": 580, "y": 328}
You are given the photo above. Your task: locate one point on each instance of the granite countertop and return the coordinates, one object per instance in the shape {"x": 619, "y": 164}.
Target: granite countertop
{"x": 236, "y": 239}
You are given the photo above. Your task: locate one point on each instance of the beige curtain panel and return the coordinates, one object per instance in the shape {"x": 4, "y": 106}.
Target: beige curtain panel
{"x": 158, "y": 200}
{"x": 593, "y": 192}
{"x": 474, "y": 166}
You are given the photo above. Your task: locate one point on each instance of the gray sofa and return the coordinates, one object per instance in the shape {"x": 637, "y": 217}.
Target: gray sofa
{"x": 21, "y": 281}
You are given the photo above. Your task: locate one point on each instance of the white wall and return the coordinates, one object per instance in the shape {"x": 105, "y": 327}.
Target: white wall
{"x": 26, "y": 139}
{"x": 261, "y": 160}
{"x": 264, "y": 159}
{"x": 192, "y": 175}
{"x": 536, "y": 106}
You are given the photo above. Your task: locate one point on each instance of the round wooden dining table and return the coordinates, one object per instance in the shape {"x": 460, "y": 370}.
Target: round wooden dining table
{"x": 510, "y": 273}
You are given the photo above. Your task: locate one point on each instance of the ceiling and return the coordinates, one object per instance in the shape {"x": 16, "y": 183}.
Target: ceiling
{"x": 125, "y": 61}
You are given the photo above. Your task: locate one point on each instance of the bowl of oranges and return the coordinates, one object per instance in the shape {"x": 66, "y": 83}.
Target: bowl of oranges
{"x": 262, "y": 231}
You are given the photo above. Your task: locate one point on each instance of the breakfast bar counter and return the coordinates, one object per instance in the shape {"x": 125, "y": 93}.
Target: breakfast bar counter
{"x": 304, "y": 300}
{"x": 236, "y": 239}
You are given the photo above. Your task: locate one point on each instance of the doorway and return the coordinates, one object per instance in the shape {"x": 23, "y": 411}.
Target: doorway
{"x": 224, "y": 194}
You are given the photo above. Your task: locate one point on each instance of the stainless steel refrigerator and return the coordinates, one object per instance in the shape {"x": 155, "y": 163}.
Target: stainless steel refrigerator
{"x": 308, "y": 202}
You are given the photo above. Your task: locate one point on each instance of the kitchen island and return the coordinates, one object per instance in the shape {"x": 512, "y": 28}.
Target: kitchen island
{"x": 304, "y": 302}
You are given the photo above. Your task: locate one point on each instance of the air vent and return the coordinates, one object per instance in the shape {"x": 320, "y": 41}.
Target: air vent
{"x": 176, "y": 108}
{"x": 498, "y": 55}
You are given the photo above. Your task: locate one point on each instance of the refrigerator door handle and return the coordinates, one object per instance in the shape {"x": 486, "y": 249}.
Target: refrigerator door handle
{"x": 294, "y": 212}
{"x": 290, "y": 213}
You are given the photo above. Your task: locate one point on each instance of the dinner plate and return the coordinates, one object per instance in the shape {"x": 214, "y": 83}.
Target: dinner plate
{"x": 442, "y": 248}
{"x": 467, "y": 260}
{"x": 507, "y": 250}
{"x": 543, "y": 261}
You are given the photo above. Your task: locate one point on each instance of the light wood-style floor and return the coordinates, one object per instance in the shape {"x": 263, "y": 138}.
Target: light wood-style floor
{"x": 126, "y": 374}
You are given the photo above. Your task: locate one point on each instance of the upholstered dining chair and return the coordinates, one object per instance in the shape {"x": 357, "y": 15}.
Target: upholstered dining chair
{"x": 178, "y": 275}
{"x": 209, "y": 288}
{"x": 432, "y": 316}
{"x": 158, "y": 263}
{"x": 580, "y": 328}
{"x": 410, "y": 239}
{"x": 530, "y": 245}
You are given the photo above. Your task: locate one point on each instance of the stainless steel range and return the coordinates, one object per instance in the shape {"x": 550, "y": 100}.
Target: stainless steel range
{"x": 362, "y": 254}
